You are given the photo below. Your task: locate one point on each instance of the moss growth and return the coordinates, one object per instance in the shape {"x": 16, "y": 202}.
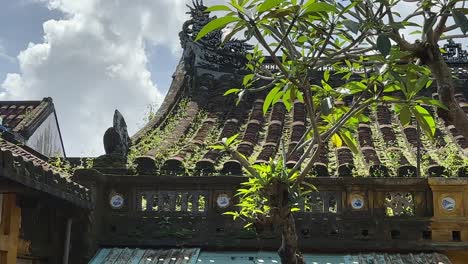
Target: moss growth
{"x": 153, "y": 139}
{"x": 62, "y": 165}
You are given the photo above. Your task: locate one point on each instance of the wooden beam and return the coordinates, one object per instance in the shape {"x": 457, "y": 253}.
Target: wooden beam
{"x": 10, "y": 187}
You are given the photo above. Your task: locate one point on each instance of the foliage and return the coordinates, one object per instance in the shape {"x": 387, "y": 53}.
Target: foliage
{"x": 154, "y": 138}
{"x": 62, "y": 165}
{"x": 352, "y": 40}
{"x": 258, "y": 196}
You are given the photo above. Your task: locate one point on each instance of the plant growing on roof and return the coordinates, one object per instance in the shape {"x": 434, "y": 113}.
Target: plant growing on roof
{"x": 154, "y": 138}
{"x": 308, "y": 38}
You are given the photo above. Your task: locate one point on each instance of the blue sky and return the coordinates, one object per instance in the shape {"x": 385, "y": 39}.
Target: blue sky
{"x": 20, "y": 23}
{"x": 91, "y": 57}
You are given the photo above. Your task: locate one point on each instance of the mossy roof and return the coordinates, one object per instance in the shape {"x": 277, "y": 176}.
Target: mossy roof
{"x": 195, "y": 115}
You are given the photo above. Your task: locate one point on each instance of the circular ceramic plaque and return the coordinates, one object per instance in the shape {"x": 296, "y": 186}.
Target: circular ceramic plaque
{"x": 448, "y": 203}
{"x": 357, "y": 202}
{"x": 116, "y": 201}
{"x": 223, "y": 200}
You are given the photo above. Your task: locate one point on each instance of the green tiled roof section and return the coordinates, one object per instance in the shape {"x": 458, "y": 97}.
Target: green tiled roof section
{"x": 193, "y": 255}
{"x": 145, "y": 256}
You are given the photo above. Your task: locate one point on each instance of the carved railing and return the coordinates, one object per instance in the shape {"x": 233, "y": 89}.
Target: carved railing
{"x": 347, "y": 213}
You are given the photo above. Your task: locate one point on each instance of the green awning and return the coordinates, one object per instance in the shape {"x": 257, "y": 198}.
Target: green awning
{"x": 194, "y": 255}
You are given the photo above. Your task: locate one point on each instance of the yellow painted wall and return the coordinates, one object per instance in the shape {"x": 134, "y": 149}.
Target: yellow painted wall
{"x": 452, "y": 219}
{"x": 9, "y": 229}
{"x": 457, "y": 256}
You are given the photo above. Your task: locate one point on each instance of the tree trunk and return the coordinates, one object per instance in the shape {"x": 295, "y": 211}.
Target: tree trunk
{"x": 289, "y": 252}
{"x": 446, "y": 90}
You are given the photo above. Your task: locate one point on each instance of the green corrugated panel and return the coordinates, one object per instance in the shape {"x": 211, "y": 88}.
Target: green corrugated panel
{"x": 194, "y": 256}
{"x": 145, "y": 256}
{"x": 100, "y": 256}
{"x": 125, "y": 256}
{"x": 137, "y": 255}
{"x": 262, "y": 258}
{"x": 113, "y": 256}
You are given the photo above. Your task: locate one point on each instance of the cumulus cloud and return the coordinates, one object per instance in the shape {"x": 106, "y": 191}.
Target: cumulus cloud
{"x": 93, "y": 61}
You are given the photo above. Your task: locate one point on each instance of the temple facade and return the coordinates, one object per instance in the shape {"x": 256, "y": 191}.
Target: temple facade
{"x": 159, "y": 196}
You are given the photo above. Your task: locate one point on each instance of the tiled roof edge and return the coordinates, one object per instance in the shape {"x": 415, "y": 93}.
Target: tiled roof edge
{"x": 27, "y": 126}
{"x": 36, "y": 173}
{"x": 171, "y": 99}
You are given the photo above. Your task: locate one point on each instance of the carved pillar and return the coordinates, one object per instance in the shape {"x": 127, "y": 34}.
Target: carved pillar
{"x": 88, "y": 227}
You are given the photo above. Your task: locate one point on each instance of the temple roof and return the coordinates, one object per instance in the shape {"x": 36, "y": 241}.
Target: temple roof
{"x": 25, "y": 167}
{"x": 24, "y": 117}
{"x": 22, "y": 165}
{"x": 195, "y": 115}
{"x": 193, "y": 118}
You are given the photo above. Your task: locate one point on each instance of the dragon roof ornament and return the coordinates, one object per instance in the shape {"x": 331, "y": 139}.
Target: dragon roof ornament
{"x": 212, "y": 45}
{"x": 455, "y": 53}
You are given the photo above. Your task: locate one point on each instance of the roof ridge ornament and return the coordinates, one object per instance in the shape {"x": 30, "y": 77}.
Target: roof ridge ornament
{"x": 211, "y": 47}
{"x": 116, "y": 140}
{"x": 454, "y": 52}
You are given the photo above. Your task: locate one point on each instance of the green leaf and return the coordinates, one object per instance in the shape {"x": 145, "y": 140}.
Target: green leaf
{"x": 277, "y": 97}
{"x": 247, "y": 79}
{"x": 391, "y": 88}
{"x": 216, "y": 147}
{"x": 237, "y": 6}
{"x": 231, "y": 213}
{"x": 405, "y": 115}
{"x": 416, "y": 32}
{"x": 281, "y": 12}
{"x": 310, "y": 185}
{"x": 326, "y": 75}
{"x": 420, "y": 83}
{"x": 388, "y": 98}
{"x": 352, "y": 25}
{"x": 269, "y": 99}
{"x": 218, "y": 8}
{"x": 349, "y": 140}
{"x": 311, "y": 6}
{"x": 215, "y": 24}
{"x": 425, "y": 120}
{"x": 268, "y": 4}
{"x": 461, "y": 20}
{"x": 383, "y": 44}
{"x": 302, "y": 39}
{"x": 355, "y": 87}
{"x": 248, "y": 225}
{"x": 299, "y": 96}
{"x": 326, "y": 86}
{"x": 231, "y": 139}
{"x": 430, "y": 101}
{"x": 336, "y": 140}
{"x": 231, "y": 91}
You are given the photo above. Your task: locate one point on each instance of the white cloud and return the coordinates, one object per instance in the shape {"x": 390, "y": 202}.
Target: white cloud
{"x": 4, "y": 55}
{"x": 93, "y": 61}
